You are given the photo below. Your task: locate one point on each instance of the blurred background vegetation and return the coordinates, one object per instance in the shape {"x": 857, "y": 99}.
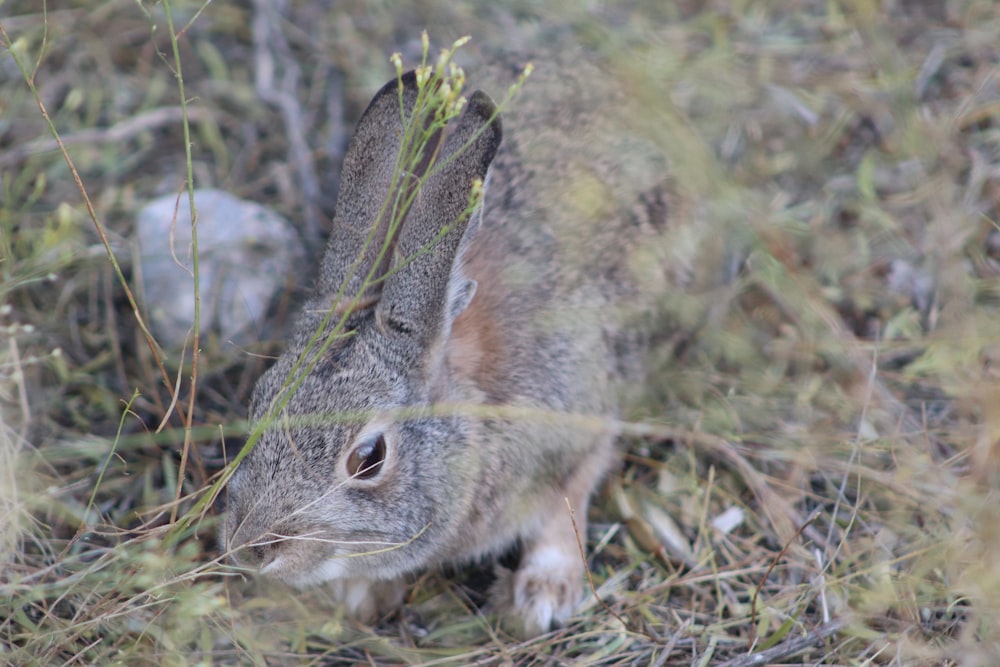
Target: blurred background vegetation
{"x": 817, "y": 471}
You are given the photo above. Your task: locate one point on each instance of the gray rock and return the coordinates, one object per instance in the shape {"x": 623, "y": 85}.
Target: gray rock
{"x": 246, "y": 252}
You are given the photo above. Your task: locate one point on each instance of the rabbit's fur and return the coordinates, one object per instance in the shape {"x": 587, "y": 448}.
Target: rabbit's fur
{"x": 507, "y": 348}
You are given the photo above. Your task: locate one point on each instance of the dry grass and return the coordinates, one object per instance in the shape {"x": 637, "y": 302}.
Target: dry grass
{"x": 816, "y": 476}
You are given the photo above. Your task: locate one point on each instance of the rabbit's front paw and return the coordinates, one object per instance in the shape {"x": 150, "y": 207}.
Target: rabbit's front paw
{"x": 546, "y": 589}
{"x": 366, "y": 599}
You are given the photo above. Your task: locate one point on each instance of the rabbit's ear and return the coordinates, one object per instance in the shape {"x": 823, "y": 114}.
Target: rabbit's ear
{"x": 361, "y": 225}
{"x": 419, "y": 299}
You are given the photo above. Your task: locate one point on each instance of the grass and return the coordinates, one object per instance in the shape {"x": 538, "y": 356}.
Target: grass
{"x": 816, "y": 474}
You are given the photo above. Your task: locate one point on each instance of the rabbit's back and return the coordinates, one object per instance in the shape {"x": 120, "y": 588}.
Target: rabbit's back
{"x": 575, "y": 190}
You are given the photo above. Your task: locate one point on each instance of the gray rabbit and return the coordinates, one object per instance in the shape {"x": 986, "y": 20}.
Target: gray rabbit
{"x": 473, "y": 388}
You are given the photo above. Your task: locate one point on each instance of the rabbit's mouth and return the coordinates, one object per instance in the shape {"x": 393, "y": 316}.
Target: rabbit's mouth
{"x": 292, "y": 571}
{"x": 302, "y": 567}
{"x": 304, "y": 560}
{"x": 284, "y": 569}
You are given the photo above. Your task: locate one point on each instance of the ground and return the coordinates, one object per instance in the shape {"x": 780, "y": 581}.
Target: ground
{"x": 815, "y": 479}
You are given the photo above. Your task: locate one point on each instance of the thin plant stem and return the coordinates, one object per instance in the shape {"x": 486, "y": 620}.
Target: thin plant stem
{"x": 196, "y": 335}
{"x": 29, "y": 79}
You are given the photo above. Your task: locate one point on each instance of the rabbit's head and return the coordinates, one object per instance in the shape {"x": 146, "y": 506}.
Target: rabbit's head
{"x": 358, "y": 469}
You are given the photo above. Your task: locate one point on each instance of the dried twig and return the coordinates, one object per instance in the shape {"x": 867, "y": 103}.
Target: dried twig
{"x": 770, "y": 568}
{"x": 123, "y": 131}
{"x": 788, "y": 648}
{"x": 586, "y": 567}
{"x": 277, "y": 78}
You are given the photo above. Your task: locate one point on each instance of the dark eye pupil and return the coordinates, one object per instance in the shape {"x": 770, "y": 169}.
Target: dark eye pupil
{"x": 366, "y": 460}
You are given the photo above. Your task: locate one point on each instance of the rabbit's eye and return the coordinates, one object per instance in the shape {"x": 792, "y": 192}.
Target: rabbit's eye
{"x": 366, "y": 459}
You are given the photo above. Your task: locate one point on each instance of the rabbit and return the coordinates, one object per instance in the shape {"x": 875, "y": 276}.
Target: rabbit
{"x": 470, "y": 401}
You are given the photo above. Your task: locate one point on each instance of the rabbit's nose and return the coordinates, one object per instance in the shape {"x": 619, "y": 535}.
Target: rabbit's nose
{"x": 261, "y": 554}
{"x": 253, "y": 551}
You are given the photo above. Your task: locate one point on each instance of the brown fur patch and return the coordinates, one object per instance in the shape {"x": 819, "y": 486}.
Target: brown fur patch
{"x": 477, "y": 353}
